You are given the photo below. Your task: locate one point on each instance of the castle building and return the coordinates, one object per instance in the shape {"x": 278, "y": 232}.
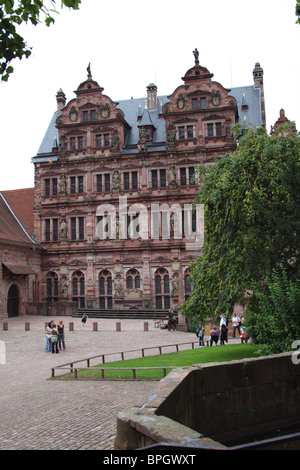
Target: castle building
{"x": 115, "y": 184}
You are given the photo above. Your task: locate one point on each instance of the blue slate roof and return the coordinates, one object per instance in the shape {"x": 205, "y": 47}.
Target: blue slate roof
{"x": 48, "y": 141}
{"x": 249, "y": 96}
{"x": 135, "y": 108}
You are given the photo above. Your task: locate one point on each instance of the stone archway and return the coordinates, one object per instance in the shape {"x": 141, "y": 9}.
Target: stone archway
{"x": 13, "y": 301}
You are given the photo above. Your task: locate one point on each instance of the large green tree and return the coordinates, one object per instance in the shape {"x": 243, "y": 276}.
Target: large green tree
{"x": 14, "y": 13}
{"x": 251, "y": 201}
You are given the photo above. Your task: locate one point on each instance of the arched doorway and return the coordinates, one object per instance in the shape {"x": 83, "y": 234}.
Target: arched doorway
{"x": 13, "y": 301}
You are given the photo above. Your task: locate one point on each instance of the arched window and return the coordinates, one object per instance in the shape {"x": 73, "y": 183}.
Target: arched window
{"x": 105, "y": 289}
{"x": 187, "y": 284}
{"x": 133, "y": 279}
{"x": 52, "y": 287}
{"x": 162, "y": 289}
{"x": 78, "y": 288}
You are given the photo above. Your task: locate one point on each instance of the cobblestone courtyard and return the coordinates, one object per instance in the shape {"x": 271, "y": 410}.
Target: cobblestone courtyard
{"x": 41, "y": 414}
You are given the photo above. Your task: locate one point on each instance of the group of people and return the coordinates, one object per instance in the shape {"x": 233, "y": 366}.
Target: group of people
{"x": 55, "y": 337}
{"x": 221, "y": 331}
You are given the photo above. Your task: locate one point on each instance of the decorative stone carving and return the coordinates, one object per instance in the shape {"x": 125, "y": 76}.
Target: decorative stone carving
{"x": 215, "y": 97}
{"x": 118, "y": 288}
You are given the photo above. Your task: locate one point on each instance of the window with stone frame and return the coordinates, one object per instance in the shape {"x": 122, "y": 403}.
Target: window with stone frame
{"x": 52, "y": 287}
{"x": 105, "y": 289}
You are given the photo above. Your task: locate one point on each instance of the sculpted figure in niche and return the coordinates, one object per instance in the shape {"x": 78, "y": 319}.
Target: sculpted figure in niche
{"x": 172, "y": 176}
{"x": 62, "y": 185}
{"x": 175, "y": 287}
{"x": 116, "y": 180}
{"x": 64, "y": 288}
{"x": 118, "y": 288}
{"x": 63, "y": 229}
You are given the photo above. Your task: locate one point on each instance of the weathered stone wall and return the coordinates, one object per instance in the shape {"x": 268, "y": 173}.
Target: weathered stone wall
{"x": 225, "y": 402}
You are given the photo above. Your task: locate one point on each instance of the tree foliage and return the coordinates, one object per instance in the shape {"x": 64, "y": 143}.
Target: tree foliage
{"x": 14, "y": 13}
{"x": 251, "y": 203}
{"x": 273, "y": 313}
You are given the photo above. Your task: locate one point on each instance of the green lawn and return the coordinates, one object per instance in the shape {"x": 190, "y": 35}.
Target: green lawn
{"x": 175, "y": 359}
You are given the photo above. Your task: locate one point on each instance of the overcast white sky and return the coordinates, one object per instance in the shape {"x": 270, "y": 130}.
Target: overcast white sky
{"x": 132, "y": 43}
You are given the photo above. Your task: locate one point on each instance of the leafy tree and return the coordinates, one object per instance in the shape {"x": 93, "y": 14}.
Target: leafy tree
{"x": 251, "y": 201}
{"x": 273, "y": 313}
{"x": 298, "y": 11}
{"x": 14, "y": 13}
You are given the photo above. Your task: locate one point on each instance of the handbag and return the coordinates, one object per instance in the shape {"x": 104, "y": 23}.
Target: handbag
{"x": 54, "y": 338}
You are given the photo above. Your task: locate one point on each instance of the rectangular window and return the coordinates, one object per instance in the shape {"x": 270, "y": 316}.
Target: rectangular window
{"x": 93, "y": 115}
{"x": 194, "y": 103}
{"x": 219, "y": 129}
{"x": 80, "y": 184}
{"x": 81, "y": 228}
{"x": 99, "y": 183}
{"x": 85, "y": 116}
{"x": 126, "y": 181}
{"x": 47, "y": 187}
{"x": 210, "y": 130}
{"x": 73, "y": 228}
{"x": 134, "y": 180}
{"x": 55, "y": 230}
{"x": 183, "y": 176}
{"x": 154, "y": 179}
{"x": 191, "y": 175}
{"x": 54, "y": 186}
{"x": 106, "y": 140}
{"x": 80, "y": 143}
{"x": 190, "y": 132}
{"x": 162, "y": 175}
{"x": 73, "y": 185}
{"x": 73, "y": 143}
{"x": 47, "y": 230}
{"x": 98, "y": 141}
{"x": 107, "y": 182}
{"x": 203, "y": 103}
{"x": 181, "y": 133}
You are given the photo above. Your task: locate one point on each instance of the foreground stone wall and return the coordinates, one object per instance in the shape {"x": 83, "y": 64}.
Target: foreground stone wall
{"x": 225, "y": 402}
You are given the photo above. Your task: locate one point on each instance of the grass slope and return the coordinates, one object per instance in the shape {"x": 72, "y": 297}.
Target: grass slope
{"x": 174, "y": 359}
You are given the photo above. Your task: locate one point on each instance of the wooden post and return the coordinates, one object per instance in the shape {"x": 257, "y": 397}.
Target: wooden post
{"x": 27, "y": 326}
{"x": 71, "y": 326}
{"x": 95, "y": 326}
{"x": 118, "y": 326}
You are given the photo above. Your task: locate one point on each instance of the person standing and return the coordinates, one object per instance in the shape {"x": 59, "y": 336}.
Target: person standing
{"x": 236, "y": 324}
{"x": 214, "y": 335}
{"x": 61, "y": 334}
{"x": 48, "y": 330}
{"x": 223, "y": 335}
{"x": 54, "y": 339}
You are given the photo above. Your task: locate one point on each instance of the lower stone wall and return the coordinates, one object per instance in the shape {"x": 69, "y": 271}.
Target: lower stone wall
{"x": 212, "y": 403}
{"x": 60, "y": 308}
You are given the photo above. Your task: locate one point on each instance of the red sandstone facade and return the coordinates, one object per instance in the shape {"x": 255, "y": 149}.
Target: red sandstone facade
{"x": 114, "y": 189}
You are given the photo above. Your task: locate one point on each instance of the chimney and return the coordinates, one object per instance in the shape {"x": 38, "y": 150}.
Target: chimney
{"x": 61, "y": 100}
{"x": 151, "y": 96}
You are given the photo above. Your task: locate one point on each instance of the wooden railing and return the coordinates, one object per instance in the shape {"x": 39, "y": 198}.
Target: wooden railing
{"x": 70, "y": 366}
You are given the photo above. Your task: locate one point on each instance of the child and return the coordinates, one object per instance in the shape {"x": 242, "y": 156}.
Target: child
{"x": 200, "y": 334}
